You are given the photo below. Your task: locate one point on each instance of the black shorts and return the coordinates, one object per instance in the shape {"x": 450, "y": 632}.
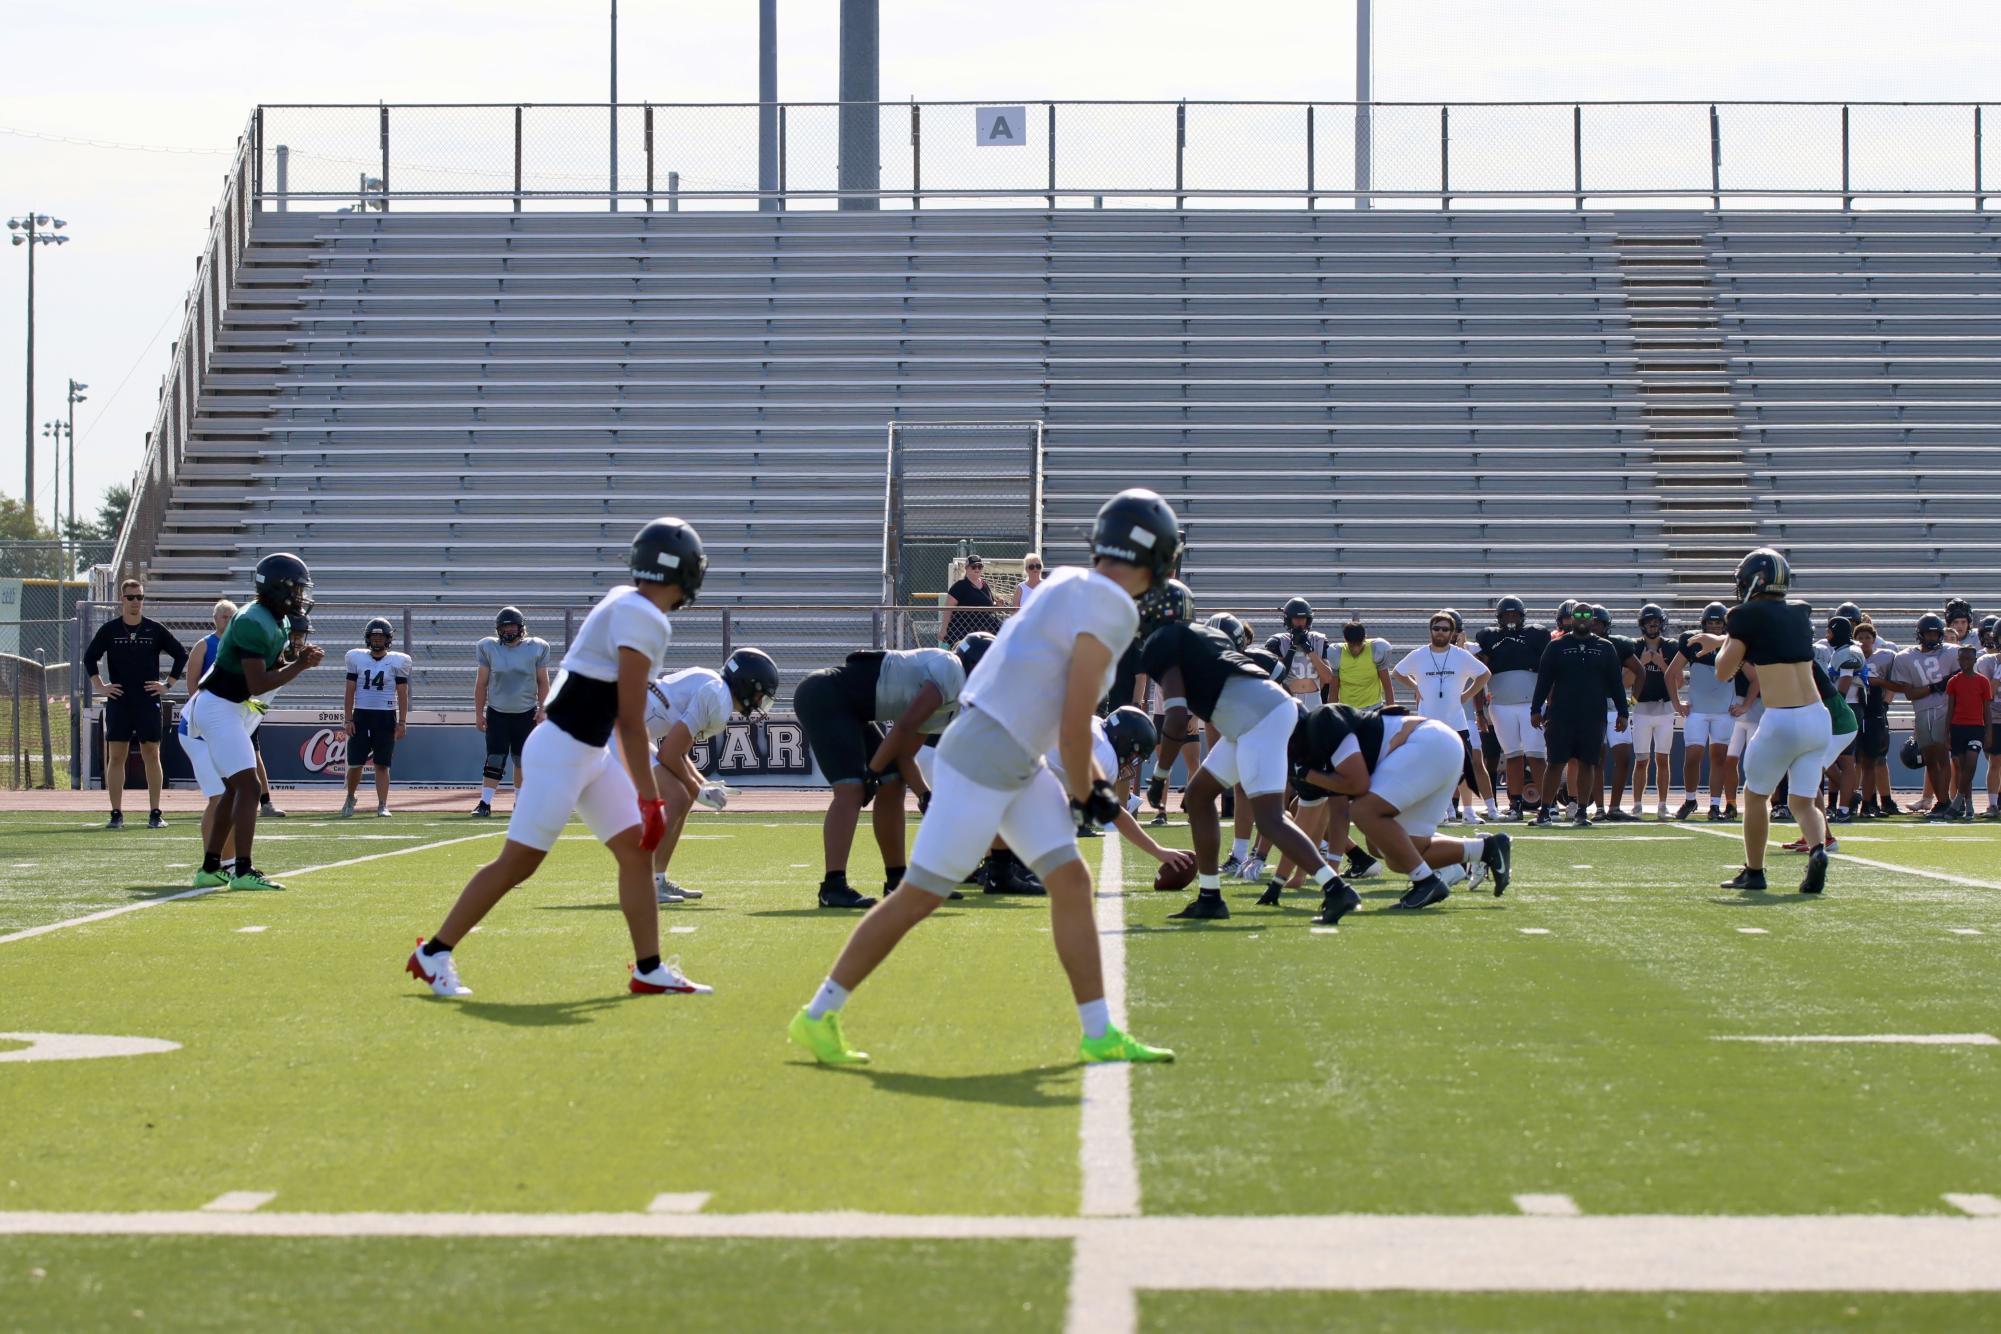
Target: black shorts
{"x": 1581, "y": 739}
{"x": 1872, "y": 740}
{"x": 1466, "y": 765}
{"x": 133, "y": 716}
{"x": 836, "y": 706}
{"x": 506, "y": 734}
{"x": 374, "y": 735}
{"x": 1969, "y": 738}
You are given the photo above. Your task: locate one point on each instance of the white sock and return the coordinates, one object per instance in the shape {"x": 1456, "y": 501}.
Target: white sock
{"x": 1240, "y": 848}
{"x": 1214, "y": 882}
{"x": 1452, "y": 875}
{"x": 1323, "y": 875}
{"x": 1096, "y": 1016}
{"x": 1491, "y": 808}
{"x": 486, "y": 796}
{"x": 1474, "y": 847}
{"x": 829, "y": 999}
{"x": 1133, "y": 804}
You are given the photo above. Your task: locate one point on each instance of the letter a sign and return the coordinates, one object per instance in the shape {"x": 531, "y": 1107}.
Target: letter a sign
{"x": 1003, "y": 127}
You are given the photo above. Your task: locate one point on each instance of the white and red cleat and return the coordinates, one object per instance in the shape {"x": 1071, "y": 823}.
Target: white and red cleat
{"x": 436, "y": 971}
{"x": 666, "y": 980}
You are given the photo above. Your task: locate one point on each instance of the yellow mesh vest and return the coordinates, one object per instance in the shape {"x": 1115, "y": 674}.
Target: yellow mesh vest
{"x": 1360, "y": 686}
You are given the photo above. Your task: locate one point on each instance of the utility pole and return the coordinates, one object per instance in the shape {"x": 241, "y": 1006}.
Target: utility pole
{"x": 767, "y": 106}
{"x": 1364, "y": 93}
{"x": 32, "y": 229}
{"x": 76, "y": 396}
{"x": 614, "y": 106}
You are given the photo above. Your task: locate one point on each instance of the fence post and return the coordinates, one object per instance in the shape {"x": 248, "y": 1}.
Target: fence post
{"x": 48, "y": 742}
{"x": 1180, "y": 151}
{"x": 875, "y": 628}
{"x": 1847, "y": 200}
{"x": 1715, "y": 160}
{"x": 569, "y": 627}
{"x": 781, "y": 157}
{"x": 673, "y": 192}
{"x": 729, "y": 633}
{"x": 1979, "y": 200}
{"x": 408, "y": 636}
{"x": 1577, "y": 153}
{"x": 1444, "y": 156}
{"x": 916, "y": 159}
{"x": 517, "y": 159}
{"x": 257, "y": 163}
{"x": 1052, "y": 155}
{"x": 384, "y": 201}
{"x": 649, "y": 156}
{"x": 1311, "y": 157}
{"x": 20, "y": 746}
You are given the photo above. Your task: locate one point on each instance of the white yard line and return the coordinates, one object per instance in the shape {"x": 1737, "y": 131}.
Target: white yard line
{"x": 108, "y": 913}
{"x": 683, "y": 1202}
{"x": 1878, "y": 1039}
{"x": 1548, "y": 1206}
{"x": 1108, "y": 1160}
{"x": 239, "y": 1201}
{"x": 1979, "y": 1206}
{"x": 1738, "y": 838}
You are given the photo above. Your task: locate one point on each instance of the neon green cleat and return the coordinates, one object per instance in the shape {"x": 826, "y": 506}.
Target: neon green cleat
{"x": 210, "y": 880}
{"x": 1120, "y": 1046}
{"x": 823, "y": 1037}
{"x": 254, "y": 880}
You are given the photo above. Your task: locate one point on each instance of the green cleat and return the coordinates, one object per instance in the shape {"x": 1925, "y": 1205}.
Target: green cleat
{"x": 823, "y": 1037}
{"x": 210, "y": 880}
{"x": 253, "y": 880}
{"x": 1120, "y": 1046}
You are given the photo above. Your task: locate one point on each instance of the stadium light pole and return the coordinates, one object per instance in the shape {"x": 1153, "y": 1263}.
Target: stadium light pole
{"x": 32, "y": 229}
{"x": 1364, "y": 91}
{"x": 76, "y": 396}
{"x": 53, "y": 431}
{"x": 614, "y": 106}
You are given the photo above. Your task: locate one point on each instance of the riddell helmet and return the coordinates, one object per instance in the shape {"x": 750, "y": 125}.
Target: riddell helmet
{"x": 1931, "y": 630}
{"x": 1958, "y": 609}
{"x": 1131, "y": 733}
{"x": 1851, "y": 610}
{"x": 1601, "y": 616}
{"x": 284, "y": 584}
{"x": 1988, "y": 626}
{"x": 1909, "y": 755}
{"x": 1565, "y": 610}
{"x": 1169, "y": 600}
{"x": 1511, "y": 606}
{"x": 1652, "y": 612}
{"x": 1233, "y": 628}
{"x": 378, "y": 626}
{"x": 668, "y": 551}
{"x": 510, "y": 618}
{"x": 1297, "y": 607}
{"x": 1840, "y": 631}
{"x": 1715, "y": 611}
{"x": 752, "y": 678}
{"x": 1140, "y": 528}
{"x": 1763, "y": 571}
{"x": 972, "y": 648}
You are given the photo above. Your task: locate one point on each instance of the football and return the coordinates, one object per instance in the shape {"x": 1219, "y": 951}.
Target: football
{"x": 1175, "y": 874}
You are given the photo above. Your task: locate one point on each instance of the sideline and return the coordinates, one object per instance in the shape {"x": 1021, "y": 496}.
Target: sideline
{"x": 1736, "y": 836}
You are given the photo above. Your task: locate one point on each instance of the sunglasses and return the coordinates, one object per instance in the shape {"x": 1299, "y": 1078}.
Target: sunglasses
{"x": 1031, "y": 566}
{"x": 135, "y": 597}
{"x": 975, "y": 565}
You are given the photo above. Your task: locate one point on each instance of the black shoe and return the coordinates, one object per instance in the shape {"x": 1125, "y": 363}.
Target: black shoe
{"x": 156, "y": 821}
{"x": 1361, "y": 865}
{"x": 1890, "y": 806}
{"x": 1207, "y": 907}
{"x": 1729, "y": 815}
{"x": 1616, "y": 815}
{"x": 1687, "y": 809}
{"x": 482, "y": 812}
{"x": 1543, "y": 819}
{"x": 1815, "y": 879}
{"x": 1499, "y": 858}
{"x": 1939, "y": 814}
{"x": 1336, "y": 902}
{"x": 1580, "y": 821}
{"x": 843, "y": 896}
{"x": 1424, "y": 893}
{"x": 1841, "y": 817}
{"x": 1089, "y": 831}
{"x": 1747, "y": 879}
{"x": 1782, "y": 815}
{"x": 1159, "y": 820}
{"x": 117, "y": 820}
{"x": 1011, "y": 877}
{"x": 1269, "y": 899}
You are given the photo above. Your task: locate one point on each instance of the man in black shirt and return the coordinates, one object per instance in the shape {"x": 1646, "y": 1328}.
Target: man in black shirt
{"x": 1619, "y": 743}
{"x": 1202, "y": 676}
{"x": 1579, "y": 675}
{"x": 130, "y": 649}
{"x": 1511, "y": 650}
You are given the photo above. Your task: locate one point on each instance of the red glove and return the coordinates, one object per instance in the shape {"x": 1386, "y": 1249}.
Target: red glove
{"x": 652, "y": 823}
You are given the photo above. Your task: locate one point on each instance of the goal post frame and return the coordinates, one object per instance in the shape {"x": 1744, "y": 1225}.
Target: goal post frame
{"x": 893, "y": 485}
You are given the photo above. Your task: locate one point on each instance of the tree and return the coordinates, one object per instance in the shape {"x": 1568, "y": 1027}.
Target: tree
{"x": 27, "y": 549}
{"x": 103, "y": 526}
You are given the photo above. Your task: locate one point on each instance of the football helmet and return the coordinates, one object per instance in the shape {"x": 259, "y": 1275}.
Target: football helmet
{"x": 1297, "y": 607}
{"x": 1167, "y": 601}
{"x": 1715, "y": 611}
{"x": 1931, "y": 630}
{"x": 668, "y": 551}
{"x": 972, "y": 648}
{"x": 1233, "y": 627}
{"x": 1140, "y": 528}
{"x": 1851, "y": 610}
{"x": 284, "y": 585}
{"x": 1958, "y": 609}
{"x": 1840, "y": 631}
{"x": 1652, "y": 612}
{"x": 1131, "y": 733}
{"x": 752, "y": 678}
{"x": 1763, "y": 571}
{"x": 1511, "y": 606}
{"x": 510, "y": 618}
{"x": 378, "y": 626}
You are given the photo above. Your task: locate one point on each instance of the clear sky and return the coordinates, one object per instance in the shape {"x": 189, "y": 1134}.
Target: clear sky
{"x": 185, "y": 75}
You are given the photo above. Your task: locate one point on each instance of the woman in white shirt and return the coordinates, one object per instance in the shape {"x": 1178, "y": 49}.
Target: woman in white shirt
{"x": 1031, "y": 579}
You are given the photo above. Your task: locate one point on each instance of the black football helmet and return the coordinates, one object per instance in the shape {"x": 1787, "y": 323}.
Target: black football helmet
{"x": 1931, "y": 630}
{"x": 1909, "y": 755}
{"x": 1840, "y": 631}
{"x": 1167, "y": 601}
{"x": 1851, "y": 610}
{"x": 1601, "y": 617}
{"x": 1511, "y": 607}
{"x": 378, "y": 626}
{"x": 510, "y": 618}
{"x": 1763, "y": 571}
{"x": 752, "y": 678}
{"x": 1564, "y": 611}
{"x": 1715, "y": 611}
{"x": 1131, "y": 733}
{"x": 668, "y": 551}
{"x": 1958, "y": 609}
{"x": 1297, "y": 607}
{"x": 1988, "y": 626}
{"x": 1140, "y": 528}
{"x": 972, "y": 648}
{"x": 1233, "y": 627}
{"x": 284, "y": 585}
{"x": 1652, "y": 612}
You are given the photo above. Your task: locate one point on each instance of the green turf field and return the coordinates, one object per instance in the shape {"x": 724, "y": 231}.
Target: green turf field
{"x": 1568, "y": 1040}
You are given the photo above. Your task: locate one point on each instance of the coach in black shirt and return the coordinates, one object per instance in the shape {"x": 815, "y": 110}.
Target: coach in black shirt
{"x": 129, "y": 650}
{"x": 1579, "y": 675}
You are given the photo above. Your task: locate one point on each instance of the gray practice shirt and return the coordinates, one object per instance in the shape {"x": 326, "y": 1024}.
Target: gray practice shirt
{"x": 905, "y": 672}
{"x": 1245, "y": 702}
{"x": 510, "y": 680}
{"x": 1706, "y": 694}
{"x": 1925, "y": 667}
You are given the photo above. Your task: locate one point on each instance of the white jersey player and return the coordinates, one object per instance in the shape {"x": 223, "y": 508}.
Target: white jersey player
{"x": 377, "y": 710}
{"x": 573, "y": 769}
{"x": 683, "y": 710}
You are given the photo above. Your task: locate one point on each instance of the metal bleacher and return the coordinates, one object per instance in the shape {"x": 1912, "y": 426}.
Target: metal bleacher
{"x": 1384, "y": 410}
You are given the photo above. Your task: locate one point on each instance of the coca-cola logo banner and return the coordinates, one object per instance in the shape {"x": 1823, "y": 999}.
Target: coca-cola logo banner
{"x": 324, "y": 751}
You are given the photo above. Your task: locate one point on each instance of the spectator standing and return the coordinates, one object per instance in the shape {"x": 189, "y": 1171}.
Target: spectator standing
{"x": 1031, "y": 579}
{"x": 129, "y": 649}
{"x": 1969, "y": 693}
{"x": 1362, "y": 676}
{"x": 970, "y": 591}
{"x": 508, "y": 693}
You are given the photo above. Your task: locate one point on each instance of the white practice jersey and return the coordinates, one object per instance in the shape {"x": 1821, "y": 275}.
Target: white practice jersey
{"x": 696, "y": 697}
{"x": 1989, "y": 666}
{"x": 623, "y": 620}
{"x": 1101, "y": 751}
{"x": 1846, "y": 660}
{"x": 1020, "y": 681}
{"x": 375, "y": 678}
{"x": 1442, "y": 676}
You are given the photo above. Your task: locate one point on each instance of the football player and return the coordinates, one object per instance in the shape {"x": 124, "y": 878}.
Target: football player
{"x": 1393, "y": 775}
{"x": 1989, "y": 666}
{"x": 247, "y": 664}
{"x": 196, "y": 749}
{"x": 914, "y": 691}
{"x": 1511, "y": 650}
{"x": 1619, "y": 744}
{"x": 377, "y": 707}
{"x": 1842, "y": 660}
{"x": 1578, "y": 676}
{"x": 1302, "y": 651}
{"x": 1037, "y": 687}
{"x": 1872, "y": 744}
{"x": 683, "y": 710}
{"x": 508, "y": 692}
{"x": 1173, "y": 602}
{"x": 599, "y": 695}
{"x": 1120, "y": 743}
{"x": 1654, "y": 704}
{"x": 1919, "y": 675}
{"x": 1705, "y": 713}
{"x": 1251, "y": 719}
{"x": 1844, "y": 727}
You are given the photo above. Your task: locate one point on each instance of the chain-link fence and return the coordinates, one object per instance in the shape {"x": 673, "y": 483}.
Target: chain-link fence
{"x": 34, "y": 722}
{"x": 1169, "y": 154}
